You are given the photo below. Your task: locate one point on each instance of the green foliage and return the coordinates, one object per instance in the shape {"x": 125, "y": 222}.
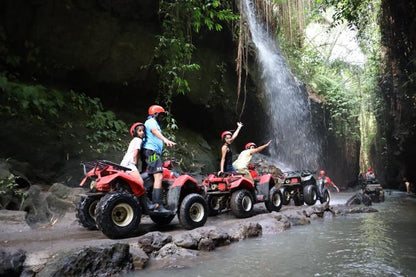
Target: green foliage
{"x": 107, "y": 131}
{"x": 41, "y": 103}
{"x": 355, "y": 12}
{"x": 35, "y": 100}
{"x": 173, "y": 53}
{"x": 8, "y": 186}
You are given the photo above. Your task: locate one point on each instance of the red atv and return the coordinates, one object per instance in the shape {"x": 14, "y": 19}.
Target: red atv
{"x": 115, "y": 201}
{"x": 234, "y": 191}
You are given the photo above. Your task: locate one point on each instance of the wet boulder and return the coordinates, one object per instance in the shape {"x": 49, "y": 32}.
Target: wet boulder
{"x": 358, "y": 210}
{"x": 153, "y": 241}
{"x": 188, "y": 240}
{"x": 217, "y": 235}
{"x": 318, "y": 210}
{"x": 91, "y": 261}
{"x": 344, "y": 210}
{"x": 11, "y": 263}
{"x": 206, "y": 244}
{"x": 36, "y": 206}
{"x": 62, "y": 199}
{"x": 358, "y": 199}
{"x": 12, "y": 221}
{"x": 273, "y": 223}
{"x": 140, "y": 258}
{"x": 173, "y": 256}
{"x": 247, "y": 229}
{"x": 204, "y": 238}
{"x": 296, "y": 217}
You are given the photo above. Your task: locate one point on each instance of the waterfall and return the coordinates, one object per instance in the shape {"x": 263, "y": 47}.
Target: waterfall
{"x": 296, "y": 144}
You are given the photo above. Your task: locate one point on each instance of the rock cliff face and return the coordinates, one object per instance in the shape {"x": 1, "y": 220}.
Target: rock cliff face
{"x": 100, "y": 47}
{"x": 398, "y": 88}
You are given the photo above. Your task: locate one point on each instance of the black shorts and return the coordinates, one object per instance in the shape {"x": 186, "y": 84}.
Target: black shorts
{"x": 154, "y": 161}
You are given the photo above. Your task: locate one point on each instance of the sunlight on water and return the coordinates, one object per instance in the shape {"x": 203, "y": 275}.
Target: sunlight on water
{"x": 373, "y": 244}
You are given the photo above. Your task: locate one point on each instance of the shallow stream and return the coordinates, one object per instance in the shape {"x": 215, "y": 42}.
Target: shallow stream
{"x": 371, "y": 244}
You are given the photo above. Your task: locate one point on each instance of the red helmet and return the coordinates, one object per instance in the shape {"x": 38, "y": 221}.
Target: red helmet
{"x": 248, "y": 145}
{"x": 226, "y": 133}
{"x": 154, "y": 109}
{"x": 322, "y": 172}
{"x": 133, "y": 128}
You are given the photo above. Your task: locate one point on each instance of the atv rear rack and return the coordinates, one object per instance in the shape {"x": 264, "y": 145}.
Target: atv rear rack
{"x": 100, "y": 164}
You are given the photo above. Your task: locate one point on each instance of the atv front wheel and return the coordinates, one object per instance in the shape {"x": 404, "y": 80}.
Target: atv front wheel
{"x": 86, "y": 211}
{"x": 285, "y": 196}
{"x": 310, "y": 194}
{"x": 275, "y": 200}
{"x": 242, "y": 203}
{"x": 118, "y": 215}
{"x": 193, "y": 211}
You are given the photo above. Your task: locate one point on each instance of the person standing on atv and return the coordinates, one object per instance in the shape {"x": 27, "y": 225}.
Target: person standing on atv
{"x": 244, "y": 159}
{"x": 132, "y": 155}
{"x": 153, "y": 146}
{"x": 327, "y": 181}
{"x": 226, "y": 155}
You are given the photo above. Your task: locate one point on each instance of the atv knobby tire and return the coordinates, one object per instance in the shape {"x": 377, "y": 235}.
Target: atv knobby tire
{"x": 275, "y": 201}
{"x": 285, "y": 196}
{"x": 326, "y": 197}
{"x": 242, "y": 203}
{"x": 118, "y": 215}
{"x": 193, "y": 211}
{"x": 86, "y": 211}
{"x": 310, "y": 194}
{"x": 298, "y": 199}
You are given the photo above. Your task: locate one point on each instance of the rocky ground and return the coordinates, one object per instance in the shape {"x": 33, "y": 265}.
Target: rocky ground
{"x": 62, "y": 246}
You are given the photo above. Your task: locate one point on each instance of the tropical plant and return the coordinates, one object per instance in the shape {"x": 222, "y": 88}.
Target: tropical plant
{"x": 173, "y": 53}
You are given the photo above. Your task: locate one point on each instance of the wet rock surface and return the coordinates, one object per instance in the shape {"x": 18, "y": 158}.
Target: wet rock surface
{"x": 90, "y": 261}
{"x": 64, "y": 247}
{"x": 11, "y": 263}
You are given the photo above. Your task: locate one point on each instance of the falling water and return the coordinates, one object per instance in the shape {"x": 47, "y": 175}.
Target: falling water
{"x": 296, "y": 143}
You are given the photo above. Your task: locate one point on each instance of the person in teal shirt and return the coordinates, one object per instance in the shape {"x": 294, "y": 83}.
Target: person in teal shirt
{"x": 153, "y": 147}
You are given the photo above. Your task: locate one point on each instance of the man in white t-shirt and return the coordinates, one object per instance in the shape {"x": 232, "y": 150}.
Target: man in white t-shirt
{"x": 244, "y": 159}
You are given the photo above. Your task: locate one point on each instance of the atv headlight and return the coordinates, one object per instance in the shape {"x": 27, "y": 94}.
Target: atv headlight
{"x": 214, "y": 186}
{"x": 287, "y": 181}
{"x": 93, "y": 184}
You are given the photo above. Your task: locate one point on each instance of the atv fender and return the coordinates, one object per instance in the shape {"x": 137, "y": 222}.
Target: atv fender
{"x": 185, "y": 179}
{"x": 182, "y": 186}
{"x": 242, "y": 183}
{"x": 264, "y": 185}
{"x": 104, "y": 182}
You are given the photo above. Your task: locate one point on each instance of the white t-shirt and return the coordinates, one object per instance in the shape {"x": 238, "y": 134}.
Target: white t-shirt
{"x": 243, "y": 160}
{"x": 128, "y": 160}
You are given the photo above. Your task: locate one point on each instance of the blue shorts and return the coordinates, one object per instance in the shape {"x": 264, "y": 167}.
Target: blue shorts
{"x": 154, "y": 161}
{"x": 229, "y": 168}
